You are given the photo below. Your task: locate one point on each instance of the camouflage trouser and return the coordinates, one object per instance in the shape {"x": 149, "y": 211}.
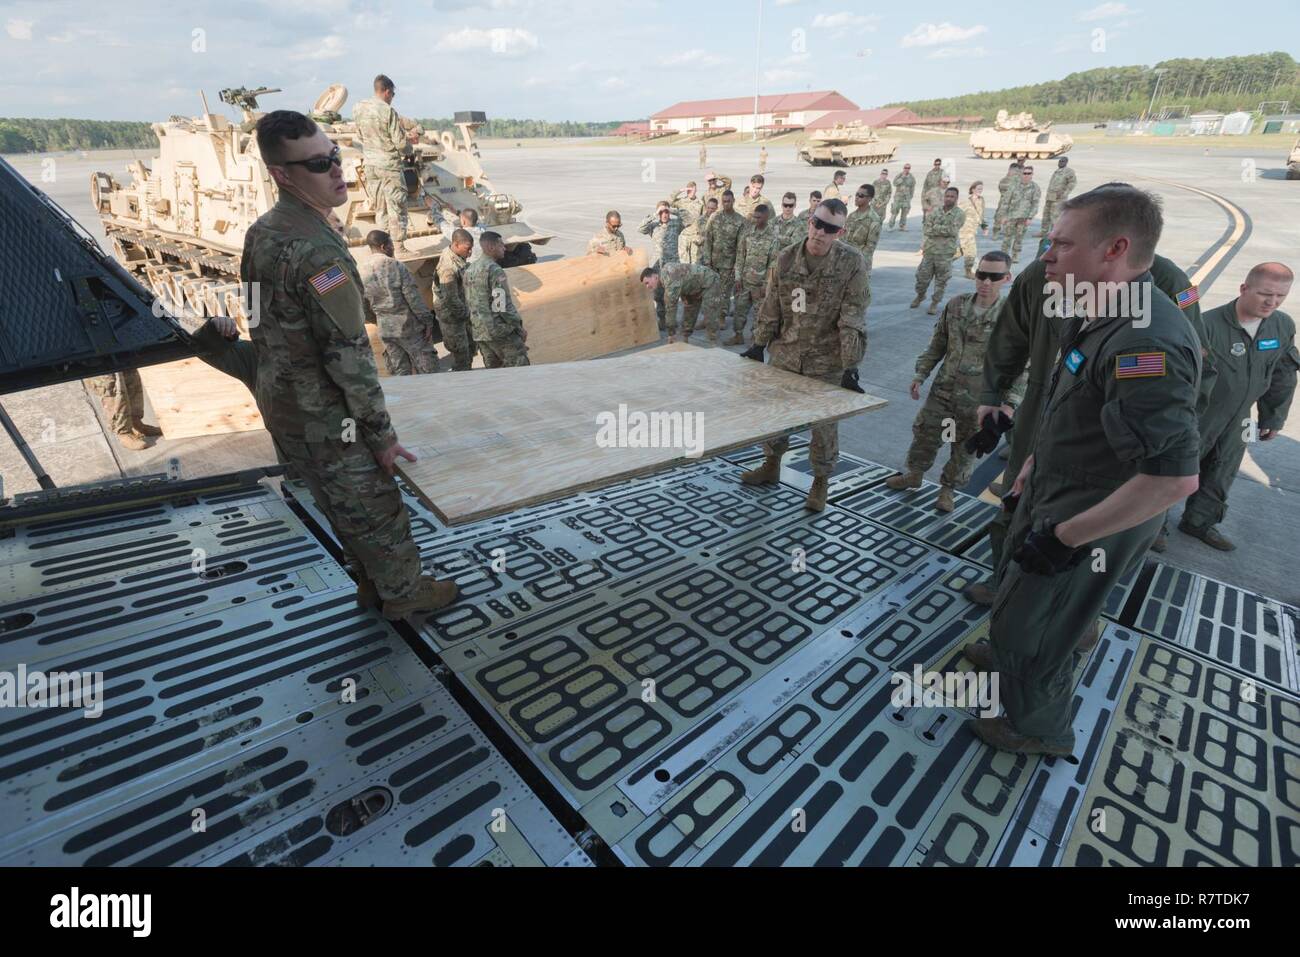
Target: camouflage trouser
{"x": 881, "y": 208}
{"x": 456, "y": 337}
{"x": 1013, "y": 234}
{"x": 750, "y": 294}
{"x": 824, "y": 450}
{"x": 364, "y": 508}
{"x": 709, "y": 304}
{"x": 941, "y": 414}
{"x": 499, "y": 353}
{"x": 902, "y": 206}
{"x": 938, "y": 268}
{"x": 999, "y": 221}
{"x": 661, "y": 309}
{"x": 727, "y": 277}
{"x": 1049, "y": 215}
{"x": 123, "y": 399}
{"x": 409, "y": 355}
{"x": 387, "y": 196}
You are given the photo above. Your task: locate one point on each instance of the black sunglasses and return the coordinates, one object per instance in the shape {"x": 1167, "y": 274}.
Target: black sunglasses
{"x": 788, "y": 205}
{"x": 318, "y": 164}
{"x": 829, "y": 228}
{"x": 991, "y": 276}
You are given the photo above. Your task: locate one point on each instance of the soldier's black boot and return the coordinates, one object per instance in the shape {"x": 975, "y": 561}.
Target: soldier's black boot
{"x": 1209, "y": 535}
{"x": 981, "y": 593}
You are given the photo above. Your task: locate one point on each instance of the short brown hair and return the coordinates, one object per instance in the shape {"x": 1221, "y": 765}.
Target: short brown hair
{"x": 383, "y": 84}
{"x": 1118, "y": 209}
{"x": 276, "y": 127}
{"x": 1277, "y": 271}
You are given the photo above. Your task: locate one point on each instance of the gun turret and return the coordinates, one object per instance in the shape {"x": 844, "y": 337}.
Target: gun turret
{"x": 245, "y": 98}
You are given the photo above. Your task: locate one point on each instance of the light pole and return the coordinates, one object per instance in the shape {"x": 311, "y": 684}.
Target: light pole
{"x": 1160, "y": 72}
{"x": 758, "y": 45}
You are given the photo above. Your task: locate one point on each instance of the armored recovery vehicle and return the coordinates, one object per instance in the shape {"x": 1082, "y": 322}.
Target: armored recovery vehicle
{"x": 847, "y": 144}
{"x": 1019, "y": 135}
{"x": 179, "y": 223}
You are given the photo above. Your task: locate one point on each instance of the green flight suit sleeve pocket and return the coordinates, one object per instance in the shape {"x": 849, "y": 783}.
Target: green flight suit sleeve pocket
{"x": 336, "y": 292}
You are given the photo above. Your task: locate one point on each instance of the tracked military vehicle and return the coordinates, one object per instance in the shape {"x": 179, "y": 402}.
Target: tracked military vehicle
{"x": 1293, "y": 162}
{"x": 179, "y": 223}
{"x": 1019, "y": 136}
{"x": 847, "y": 144}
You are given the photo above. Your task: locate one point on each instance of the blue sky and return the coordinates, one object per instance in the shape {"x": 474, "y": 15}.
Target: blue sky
{"x": 583, "y": 59}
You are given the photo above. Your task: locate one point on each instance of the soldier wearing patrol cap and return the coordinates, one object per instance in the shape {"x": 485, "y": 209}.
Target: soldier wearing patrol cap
{"x": 1117, "y": 446}
{"x": 1251, "y": 345}
{"x": 317, "y": 386}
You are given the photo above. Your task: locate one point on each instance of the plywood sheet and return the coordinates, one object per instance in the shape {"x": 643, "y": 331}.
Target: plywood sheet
{"x": 496, "y": 440}
{"x": 191, "y": 398}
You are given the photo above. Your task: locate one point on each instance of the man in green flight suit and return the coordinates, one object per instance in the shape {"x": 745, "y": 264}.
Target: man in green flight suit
{"x": 1252, "y": 345}
{"x": 317, "y": 385}
{"x": 1118, "y": 444}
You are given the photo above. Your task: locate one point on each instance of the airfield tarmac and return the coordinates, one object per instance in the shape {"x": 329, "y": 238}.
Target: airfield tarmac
{"x": 567, "y": 190}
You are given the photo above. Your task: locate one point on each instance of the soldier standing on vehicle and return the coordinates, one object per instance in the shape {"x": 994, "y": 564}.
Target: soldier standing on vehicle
{"x": 383, "y": 144}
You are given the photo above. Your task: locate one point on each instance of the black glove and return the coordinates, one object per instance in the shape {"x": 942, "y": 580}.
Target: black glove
{"x": 1042, "y": 553}
{"x": 754, "y": 352}
{"x": 991, "y": 430}
{"x": 850, "y": 381}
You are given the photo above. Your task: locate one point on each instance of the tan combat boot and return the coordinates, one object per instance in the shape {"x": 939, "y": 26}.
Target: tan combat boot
{"x": 132, "y": 440}
{"x": 904, "y": 480}
{"x": 981, "y": 593}
{"x": 934, "y": 308}
{"x": 917, "y": 301}
{"x": 429, "y": 596}
{"x": 1090, "y": 637}
{"x": 736, "y": 340}
{"x": 1001, "y": 734}
{"x": 146, "y": 430}
{"x": 816, "y": 500}
{"x": 944, "y": 502}
{"x": 367, "y": 594}
{"x": 765, "y": 474}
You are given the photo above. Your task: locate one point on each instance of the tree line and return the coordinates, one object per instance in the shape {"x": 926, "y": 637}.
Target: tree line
{"x": 19, "y": 135}
{"x": 507, "y": 129}
{"x": 1224, "y": 84}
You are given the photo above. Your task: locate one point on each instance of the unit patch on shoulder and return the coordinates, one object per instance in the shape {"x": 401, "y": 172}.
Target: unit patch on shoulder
{"x": 328, "y": 279}
{"x": 1074, "y": 361}
{"x": 1140, "y": 365}
{"x": 1188, "y": 296}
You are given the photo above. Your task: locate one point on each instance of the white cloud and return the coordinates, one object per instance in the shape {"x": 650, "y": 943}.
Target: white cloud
{"x": 934, "y": 34}
{"x": 785, "y": 76}
{"x": 845, "y": 20}
{"x": 105, "y": 38}
{"x": 695, "y": 57}
{"x": 19, "y": 29}
{"x": 944, "y": 53}
{"x": 504, "y": 41}
{"x": 786, "y": 3}
{"x": 794, "y": 59}
{"x": 614, "y": 83}
{"x": 1105, "y": 11}
{"x": 326, "y": 48}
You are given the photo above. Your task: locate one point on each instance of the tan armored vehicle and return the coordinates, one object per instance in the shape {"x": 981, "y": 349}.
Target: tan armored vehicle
{"x": 179, "y": 224}
{"x": 1293, "y": 162}
{"x": 847, "y": 144}
{"x": 1018, "y": 136}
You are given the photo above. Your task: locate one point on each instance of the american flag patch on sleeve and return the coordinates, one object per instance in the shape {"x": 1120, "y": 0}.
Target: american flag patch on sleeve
{"x": 1188, "y": 296}
{"x": 1139, "y": 365}
{"x": 328, "y": 279}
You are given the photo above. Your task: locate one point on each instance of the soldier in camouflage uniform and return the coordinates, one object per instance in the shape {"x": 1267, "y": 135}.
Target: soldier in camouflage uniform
{"x": 932, "y": 180}
{"x": 497, "y": 326}
{"x": 687, "y": 205}
{"x": 787, "y": 225}
{"x": 610, "y": 239}
{"x": 973, "y": 207}
{"x": 941, "y": 230}
{"x": 664, "y": 228}
{"x": 690, "y": 244}
{"x": 948, "y": 415}
{"x": 753, "y": 198}
{"x": 394, "y": 303}
{"x": 122, "y": 396}
{"x": 862, "y": 228}
{"x": 1024, "y": 207}
{"x": 383, "y": 141}
{"x": 721, "y": 238}
{"x": 317, "y": 386}
{"x": 1007, "y": 187}
{"x": 718, "y": 184}
{"x": 1059, "y": 188}
{"x": 812, "y": 321}
{"x": 698, "y": 287}
{"x": 933, "y": 196}
{"x": 883, "y": 188}
{"x": 759, "y": 245}
{"x": 834, "y": 190}
{"x": 801, "y": 231}
{"x": 449, "y": 299}
{"x": 904, "y": 187}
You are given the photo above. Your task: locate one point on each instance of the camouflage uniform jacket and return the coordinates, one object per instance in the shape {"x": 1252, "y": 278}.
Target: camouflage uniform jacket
{"x": 832, "y": 192}
{"x": 1007, "y": 186}
{"x": 315, "y": 367}
{"x": 720, "y": 240}
{"x": 931, "y": 179}
{"x": 486, "y": 286}
{"x": 663, "y": 237}
{"x": 933, "y": 197}
{"x": 449, "y": 292}
{"x": 393, "y": 298}
{"x": 724, "y": 184}
{"x": 904, "y": 185}
{"x": 862, "y": 232}
{"x": 942, "y": 230}
{"x": 746, "y": 205}
{"x": 788, "y": 230}
{"x": 687, "y": 281}
{"x": 829, "y": 333}
{"x": 380, "y": 130}
{"x": 1024, "y": 202}
{"x": 973, "y": 208}
{"x": 688, "y": 209}
{"x": 1061, "y": 185}
{"x": 884, "y": 189}
{"x": 756, "y": 253}
{"x": 607, "y": 242}
{"x": 957, "y": 347}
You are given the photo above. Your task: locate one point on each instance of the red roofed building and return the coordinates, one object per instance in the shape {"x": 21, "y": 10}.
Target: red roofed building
{"x": 876, "y": 119}
{"x": 778, "y": 110}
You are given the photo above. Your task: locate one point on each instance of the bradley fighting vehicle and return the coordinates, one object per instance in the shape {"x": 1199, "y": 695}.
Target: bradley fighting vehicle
{"x": 1293, "y": 162}
{"x": 179, "y": 223}
{"x": 851, "y": 144}
{"x": 1019, "y": 135}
